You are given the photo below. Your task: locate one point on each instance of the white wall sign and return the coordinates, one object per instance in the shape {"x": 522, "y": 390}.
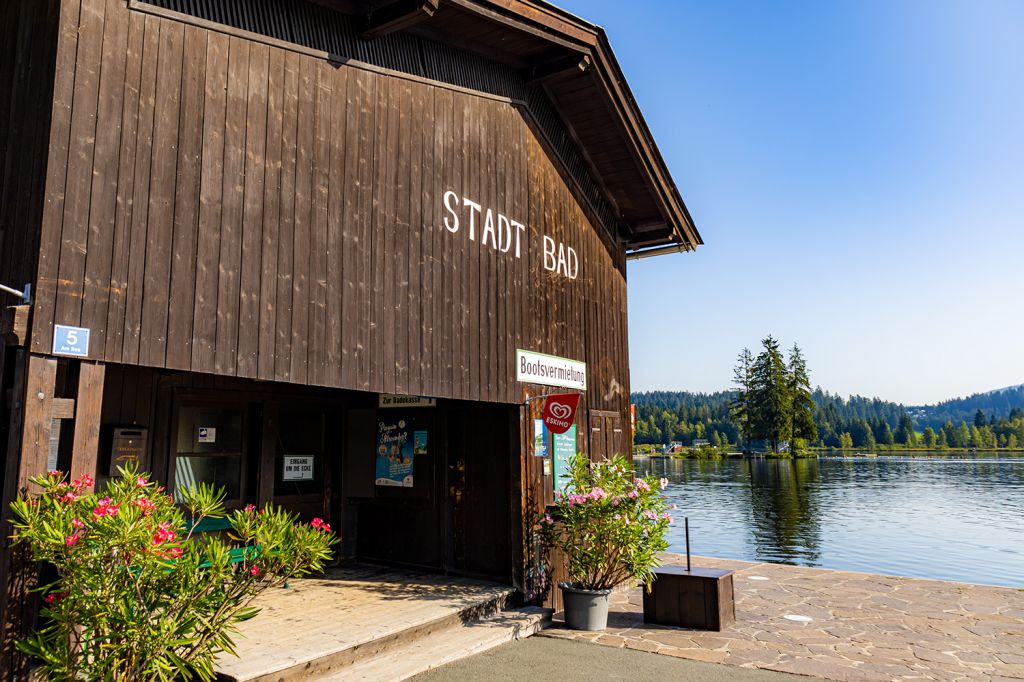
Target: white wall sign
{"x": 550, "y": 370}
{"x": 206, "y": 434}
{"x": 388, "y": 400}
{"x": 72, "y": 341}
{"x": 502, "y": 233}
{"x": 297, "y": 468}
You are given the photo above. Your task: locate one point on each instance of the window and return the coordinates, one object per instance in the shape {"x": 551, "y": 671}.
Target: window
{"x": 209, "y": 448}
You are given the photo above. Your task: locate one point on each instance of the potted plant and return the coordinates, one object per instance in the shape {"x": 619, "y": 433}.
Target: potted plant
{"x": 139, "y": 595}
{"x": 609, "y": 526}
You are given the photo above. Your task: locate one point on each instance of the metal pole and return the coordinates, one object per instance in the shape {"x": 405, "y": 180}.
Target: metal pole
{"x": 25, "y": 296}
{"x": 686, "y": 522}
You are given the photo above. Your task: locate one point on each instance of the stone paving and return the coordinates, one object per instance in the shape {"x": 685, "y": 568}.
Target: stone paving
{"x": 863, "y": 627}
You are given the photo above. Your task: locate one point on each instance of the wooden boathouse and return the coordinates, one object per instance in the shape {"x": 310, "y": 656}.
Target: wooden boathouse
{"x": 255, "y": 240}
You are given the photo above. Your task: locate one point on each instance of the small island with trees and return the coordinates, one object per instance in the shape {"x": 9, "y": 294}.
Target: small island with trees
{"x": 773, "y": 411}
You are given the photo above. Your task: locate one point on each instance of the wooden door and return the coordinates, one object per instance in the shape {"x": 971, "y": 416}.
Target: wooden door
{"x": 608, "y": 435}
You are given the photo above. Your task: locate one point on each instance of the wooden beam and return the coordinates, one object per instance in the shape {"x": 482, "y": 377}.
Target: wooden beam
{"x": 88, "y": 409}
{"x": 14, "y": 325}
{"x": 62, "y": 408}
{"x": 38, "y": 418}
{"x": 570, "y": 65}
{"x": 398, "y": 16}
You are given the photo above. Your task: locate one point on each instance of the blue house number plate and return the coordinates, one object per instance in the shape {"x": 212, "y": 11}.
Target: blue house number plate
{"x": 70, "y": 341}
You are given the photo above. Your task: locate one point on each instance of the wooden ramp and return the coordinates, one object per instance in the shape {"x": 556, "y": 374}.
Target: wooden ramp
{"x": 371, "y": 623}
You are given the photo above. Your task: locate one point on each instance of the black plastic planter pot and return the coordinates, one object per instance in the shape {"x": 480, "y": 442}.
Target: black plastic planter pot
{"x": 585, "y": 609}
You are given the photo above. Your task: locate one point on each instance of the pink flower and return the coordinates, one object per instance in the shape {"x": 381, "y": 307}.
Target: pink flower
{"x": 633, "y": 494}
{"x": 548, "y": 520}
{"x": 174, "y": 552}
{"x": 618, "y": 517}
{"x": 77, "y": 523}
{"x": 68, "y": 497}
{"x": 141, "y": 481}
{"x": 250, "y": 508}
{"x": 164, "y": 533}
{"x": 146, "y": 505}
{"x": 53, "y": 473}
{"x": 84, "y": 481}
{"x": 616, "y": 500}
{"x": 663, "y": 482}
{"x": 104, "y": 507}
{"x": 667, "y": 517}
{"x": 55, "y": 597}
{"x": 642, "y": 485}
{"x": 255, "y": 570}
{"x": 71, "y": 540}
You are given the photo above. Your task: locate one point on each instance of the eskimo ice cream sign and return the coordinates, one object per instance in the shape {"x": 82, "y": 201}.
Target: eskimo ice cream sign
{"x": 550, "y": 370}
{"x": 503, "y": 234}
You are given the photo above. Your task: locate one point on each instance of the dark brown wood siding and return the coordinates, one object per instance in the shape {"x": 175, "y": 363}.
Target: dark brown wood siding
{"x": 243, "y": 209}
{"x": 28, "y": 38}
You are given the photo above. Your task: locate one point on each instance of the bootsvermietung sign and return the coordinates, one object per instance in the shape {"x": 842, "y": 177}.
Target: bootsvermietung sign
{"x": 550, "y": 370}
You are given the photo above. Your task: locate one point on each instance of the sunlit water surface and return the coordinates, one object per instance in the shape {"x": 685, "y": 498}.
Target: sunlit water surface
{"x": 947, "y": 517}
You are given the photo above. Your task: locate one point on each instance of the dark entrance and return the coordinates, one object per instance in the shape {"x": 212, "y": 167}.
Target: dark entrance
{"x": 455, "y": 516}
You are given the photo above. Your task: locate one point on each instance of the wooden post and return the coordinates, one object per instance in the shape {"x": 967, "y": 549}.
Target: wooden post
{"x": 41, "y": 378}
{"x": 88, "y": 410}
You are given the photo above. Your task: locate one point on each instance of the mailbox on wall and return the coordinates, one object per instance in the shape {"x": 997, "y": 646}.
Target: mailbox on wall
{"x": 128, "y": 445}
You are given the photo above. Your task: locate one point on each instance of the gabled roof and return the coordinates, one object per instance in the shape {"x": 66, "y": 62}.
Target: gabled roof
{"x": 572, "y": 60}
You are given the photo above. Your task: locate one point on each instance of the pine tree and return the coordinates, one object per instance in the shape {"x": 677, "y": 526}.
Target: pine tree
{"x": 740, "y": 408}
{"x": 799, "y": 383}
{"x": 770, "y": 402}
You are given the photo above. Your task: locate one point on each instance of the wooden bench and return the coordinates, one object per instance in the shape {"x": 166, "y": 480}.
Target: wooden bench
{"x": 701, "y": 598}
{"x": 209, "y": 524}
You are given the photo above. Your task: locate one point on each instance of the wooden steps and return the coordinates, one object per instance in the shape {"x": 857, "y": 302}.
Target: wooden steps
{"x": 413, "y": 657}
{"x": 368, "y": 624}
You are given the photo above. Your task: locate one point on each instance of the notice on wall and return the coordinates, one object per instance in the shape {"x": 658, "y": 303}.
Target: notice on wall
{"x": 388, "y": 400}
{"x": 297, "y": 468}
{"x": 550, "y": 370}
{"x": 564, "y": 448}
{"x": 540, "y": 438}
{"x": 395, "y": 453}
{"x": 206, "y": 434}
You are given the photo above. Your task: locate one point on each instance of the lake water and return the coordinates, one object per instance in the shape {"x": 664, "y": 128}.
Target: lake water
{"x": 947, "y": 517}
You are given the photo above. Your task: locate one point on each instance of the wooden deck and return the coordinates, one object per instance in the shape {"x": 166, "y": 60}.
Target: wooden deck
{"x": 319, "y": 626}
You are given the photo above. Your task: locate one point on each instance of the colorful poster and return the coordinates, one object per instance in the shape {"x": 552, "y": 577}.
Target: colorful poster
{"x": 394, "y": 453}
{"x": 564, "y": 448}
{"x": 540, "y": 438}
{"x": 419, "y": 446}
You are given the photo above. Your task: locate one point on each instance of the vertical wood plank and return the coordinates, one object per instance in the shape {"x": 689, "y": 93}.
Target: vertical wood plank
{"x": 365, "y": 293}
{"x": 35, "y": 440}
{"x": 337, "y": 224}
{"x": 75, "y": 233}
{"x": 56, "y": 177}
{"x": 317, "y": 253}
{"x": 286, "y": 236}
{"x": 161, "y": 196}
{"x": 232, "y": 208}
{"x": 187, "y": 200}
{"x": 103, "y": 208}
{"x": 248, "y": 332}
{"x": 121, "y": 239}
{"x": 88, "y": 414}
{"x": 272, "y": 200}
{"x": 140, "y": 193}
{"x": 211, "y": 189}
{"x": 303, "y": 216}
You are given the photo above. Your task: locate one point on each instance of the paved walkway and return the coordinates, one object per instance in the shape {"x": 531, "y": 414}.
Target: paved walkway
{"x": 863, "y": 627}
{"x": 540, "y": 658}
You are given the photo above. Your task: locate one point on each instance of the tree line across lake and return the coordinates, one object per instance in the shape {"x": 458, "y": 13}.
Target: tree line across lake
{"x": 773, "y": 404}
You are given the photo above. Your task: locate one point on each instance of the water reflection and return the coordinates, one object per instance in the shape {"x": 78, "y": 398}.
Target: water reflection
{"x": 956, "y": 518}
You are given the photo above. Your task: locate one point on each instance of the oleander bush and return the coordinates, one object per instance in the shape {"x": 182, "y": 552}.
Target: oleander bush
{"x": 609, "y": 524}
{"x": 139, "y": 595}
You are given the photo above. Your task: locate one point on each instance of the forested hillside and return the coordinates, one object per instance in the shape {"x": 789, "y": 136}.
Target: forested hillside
{"x": 857, "y": 422}
{"x": 993, "y": 403}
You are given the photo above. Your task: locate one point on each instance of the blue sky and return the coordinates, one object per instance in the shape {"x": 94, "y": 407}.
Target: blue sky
{"x": 857, "y": 172}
